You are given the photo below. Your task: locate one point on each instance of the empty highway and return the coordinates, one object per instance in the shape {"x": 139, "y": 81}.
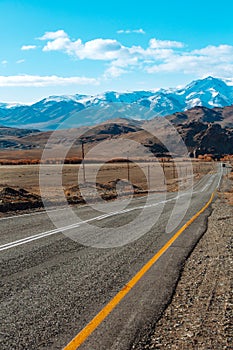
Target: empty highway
{"x": 53, "y": 286}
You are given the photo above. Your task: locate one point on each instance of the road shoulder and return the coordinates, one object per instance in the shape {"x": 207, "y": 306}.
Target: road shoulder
{"x": 198, "y": 316}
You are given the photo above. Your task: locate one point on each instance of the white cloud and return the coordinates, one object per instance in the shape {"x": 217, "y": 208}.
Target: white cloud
{"x": 54, "y": 35}
{"x": 97, "y": 49}
{"x": 58, "y": 44}
{"x": 130, "y": 31}
{"x": 114, "y": 72}
{"x": 158, "y": 56}
{"x": 4, "y": 62}
{"x": 28, "y": 47}
{"x": 211, "y": 60}
{"x": 108, "y": 49}
{"x": 121, "y": 66}
{"x": 215, "y": 51}
{"x": 20, "y": 61}
{"x": 164, "y": 44}
{"x": 42, "y": 81}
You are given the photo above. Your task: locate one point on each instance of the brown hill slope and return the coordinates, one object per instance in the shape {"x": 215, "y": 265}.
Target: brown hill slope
{"x": 222, "y": 116}
{"x": 203, "y": 131}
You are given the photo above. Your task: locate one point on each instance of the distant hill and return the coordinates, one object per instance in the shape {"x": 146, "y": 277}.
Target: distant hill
{"x": 10, "y": 138}
{"x": 222, "y": 116}
{"x": 204, "y": 131}
{"x": 82, "y": 110}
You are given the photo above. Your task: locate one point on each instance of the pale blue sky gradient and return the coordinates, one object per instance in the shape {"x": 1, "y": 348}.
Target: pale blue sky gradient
{"x": 202, "y": 32}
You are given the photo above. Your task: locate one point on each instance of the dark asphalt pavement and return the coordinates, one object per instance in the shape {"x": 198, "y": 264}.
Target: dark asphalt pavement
{"x": 52, "y": 286}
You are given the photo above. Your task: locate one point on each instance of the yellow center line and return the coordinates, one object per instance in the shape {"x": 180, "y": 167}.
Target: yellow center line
{"x": 98, "y": 319}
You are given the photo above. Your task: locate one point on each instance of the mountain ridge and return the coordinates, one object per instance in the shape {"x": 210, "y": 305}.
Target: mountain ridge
{"x": 83, "y": 110}
{"x": 204, "y": 131}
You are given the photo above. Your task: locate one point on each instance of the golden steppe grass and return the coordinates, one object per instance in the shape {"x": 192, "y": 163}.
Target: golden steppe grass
{"x": 27, "y": 176}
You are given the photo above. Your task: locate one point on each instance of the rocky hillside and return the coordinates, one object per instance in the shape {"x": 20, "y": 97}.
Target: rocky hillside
{"x": 201, "y": 138}
{"x": 222, "y": 116}
{"x": 204, "y": 131}
{"x": 15, "y": 137}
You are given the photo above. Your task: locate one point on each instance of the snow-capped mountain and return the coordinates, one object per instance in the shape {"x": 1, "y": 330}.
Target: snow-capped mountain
{"x": 209, "y": 92}
{"x": 78, "y": 110}
{"x": 9, "y": 105}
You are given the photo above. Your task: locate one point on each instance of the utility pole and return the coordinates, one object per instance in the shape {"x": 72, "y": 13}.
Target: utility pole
{"x": 149, "y": 177}
{"x": 128, "y": 169}
{"x": 180, "y": 173}
{"x": 83, "y": 163}
{"x": 164, "y": 176}
{"x": 173, "y": 168}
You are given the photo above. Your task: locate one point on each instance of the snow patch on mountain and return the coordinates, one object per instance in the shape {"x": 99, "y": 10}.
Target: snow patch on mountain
{"x": 10, "y": 105}
{"x": 88, "y": 110}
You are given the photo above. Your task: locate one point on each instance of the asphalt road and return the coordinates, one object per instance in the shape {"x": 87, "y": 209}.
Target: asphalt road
{"x": 52, "y": 285}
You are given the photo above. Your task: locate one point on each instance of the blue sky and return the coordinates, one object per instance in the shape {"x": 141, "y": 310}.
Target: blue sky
{"x": 68, "y": 47}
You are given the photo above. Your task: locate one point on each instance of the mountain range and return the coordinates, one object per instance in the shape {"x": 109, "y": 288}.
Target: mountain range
{"x": 81, "y": 110}
{"x": 204, "y": 131}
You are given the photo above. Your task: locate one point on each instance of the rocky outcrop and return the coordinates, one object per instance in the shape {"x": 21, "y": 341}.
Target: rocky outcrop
{"x": 203, "y": 139}
{"x": 18, "y": 199}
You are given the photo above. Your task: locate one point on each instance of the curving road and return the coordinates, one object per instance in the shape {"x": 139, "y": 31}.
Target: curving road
{"x": 52, "y": 286}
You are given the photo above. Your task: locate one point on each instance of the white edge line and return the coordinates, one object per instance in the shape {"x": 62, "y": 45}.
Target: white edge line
{"x": 52, "y": 210}
{"x": 70, "y": 227}
{"x": 101, "y": 217}
{"x": 30, "y": 214}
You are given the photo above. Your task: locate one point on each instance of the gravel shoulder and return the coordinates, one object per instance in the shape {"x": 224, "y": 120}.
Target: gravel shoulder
{"x": 200, "y": 313}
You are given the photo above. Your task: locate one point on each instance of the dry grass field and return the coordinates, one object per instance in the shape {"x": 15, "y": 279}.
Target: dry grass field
{"x": 142, "y": 175}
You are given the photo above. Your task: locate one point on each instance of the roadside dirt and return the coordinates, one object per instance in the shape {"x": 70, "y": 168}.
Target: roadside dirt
{"x": 227, "y": 190}
{"x": 200, "y": 314}
{"x": 20, "y": 189}
{"x": 12, "y": 199}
